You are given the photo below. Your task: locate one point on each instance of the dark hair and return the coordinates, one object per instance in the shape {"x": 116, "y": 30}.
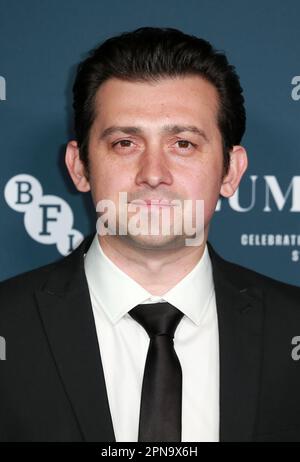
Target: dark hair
{"x": 151, "y": 53}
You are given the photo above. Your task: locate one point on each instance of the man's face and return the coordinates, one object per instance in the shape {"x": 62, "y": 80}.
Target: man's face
{"x": 157, "y": 141}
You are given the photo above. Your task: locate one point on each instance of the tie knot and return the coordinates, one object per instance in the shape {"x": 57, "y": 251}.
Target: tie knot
{"x": 157, "y": 318}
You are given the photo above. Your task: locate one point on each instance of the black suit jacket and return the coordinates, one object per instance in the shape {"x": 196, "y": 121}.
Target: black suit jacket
{"x": 52, "y": 386}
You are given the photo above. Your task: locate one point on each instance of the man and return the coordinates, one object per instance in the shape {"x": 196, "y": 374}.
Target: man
{"x": 140, "y": 337}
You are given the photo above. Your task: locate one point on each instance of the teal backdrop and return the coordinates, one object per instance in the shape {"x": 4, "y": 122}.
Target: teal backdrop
{"x": 41, "y": 42}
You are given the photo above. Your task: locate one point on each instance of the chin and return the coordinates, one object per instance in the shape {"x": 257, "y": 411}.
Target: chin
{"x": 159, "y": 242}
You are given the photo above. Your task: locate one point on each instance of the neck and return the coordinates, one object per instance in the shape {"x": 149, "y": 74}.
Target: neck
{"x": 156, "y": 270}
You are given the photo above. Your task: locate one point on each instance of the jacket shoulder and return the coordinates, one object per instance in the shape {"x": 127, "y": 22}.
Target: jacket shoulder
{"x": 242, "y": 277}
{"x": 34, "y": 279}
{"x": 28, "y": 280}
{"x": 17, "y": 292}
{"x": 263, "y": 280}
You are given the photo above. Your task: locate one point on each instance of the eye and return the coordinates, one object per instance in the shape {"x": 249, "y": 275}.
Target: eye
{"x": 185, "y": 144}
{"x": 123, "y": 143}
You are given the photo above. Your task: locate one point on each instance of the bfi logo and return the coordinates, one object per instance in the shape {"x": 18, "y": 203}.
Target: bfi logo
{"x": 48, "y": 219}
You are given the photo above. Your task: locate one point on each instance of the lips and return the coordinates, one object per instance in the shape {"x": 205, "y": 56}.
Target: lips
{"x": 161, "y": 202}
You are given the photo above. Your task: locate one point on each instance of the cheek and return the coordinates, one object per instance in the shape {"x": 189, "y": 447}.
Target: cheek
{"x": 211, "y": 195}
{"x": 204, "y": 184}
{"x": 106, "y": 184}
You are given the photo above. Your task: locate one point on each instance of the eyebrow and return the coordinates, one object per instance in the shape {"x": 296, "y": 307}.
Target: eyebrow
{"x": 169, "y": 129}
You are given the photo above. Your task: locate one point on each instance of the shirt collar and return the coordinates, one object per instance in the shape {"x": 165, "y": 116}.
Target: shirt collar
{"x": 118, "y": 293}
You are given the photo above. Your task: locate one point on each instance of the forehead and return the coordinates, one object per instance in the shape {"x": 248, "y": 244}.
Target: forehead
{"x": 188, "y": 96}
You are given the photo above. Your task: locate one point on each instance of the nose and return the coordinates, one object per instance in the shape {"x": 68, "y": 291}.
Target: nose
{"x": 153, "y": 168}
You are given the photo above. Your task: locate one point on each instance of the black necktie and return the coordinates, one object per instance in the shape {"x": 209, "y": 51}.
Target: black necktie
{"x": 161, "y": 400}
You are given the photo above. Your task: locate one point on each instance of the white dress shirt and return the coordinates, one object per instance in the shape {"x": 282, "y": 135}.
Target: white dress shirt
{"x": 124, "y": 343}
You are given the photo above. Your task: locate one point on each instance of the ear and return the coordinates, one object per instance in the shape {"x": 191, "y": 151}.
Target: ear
{"x": 76, "y": 167}
{"x": 237, "y": 166}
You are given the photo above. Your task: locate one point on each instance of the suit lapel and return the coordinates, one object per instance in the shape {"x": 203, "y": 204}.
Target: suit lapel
{"x": 240, "y": 319}
{"x": 66, "y": 312}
